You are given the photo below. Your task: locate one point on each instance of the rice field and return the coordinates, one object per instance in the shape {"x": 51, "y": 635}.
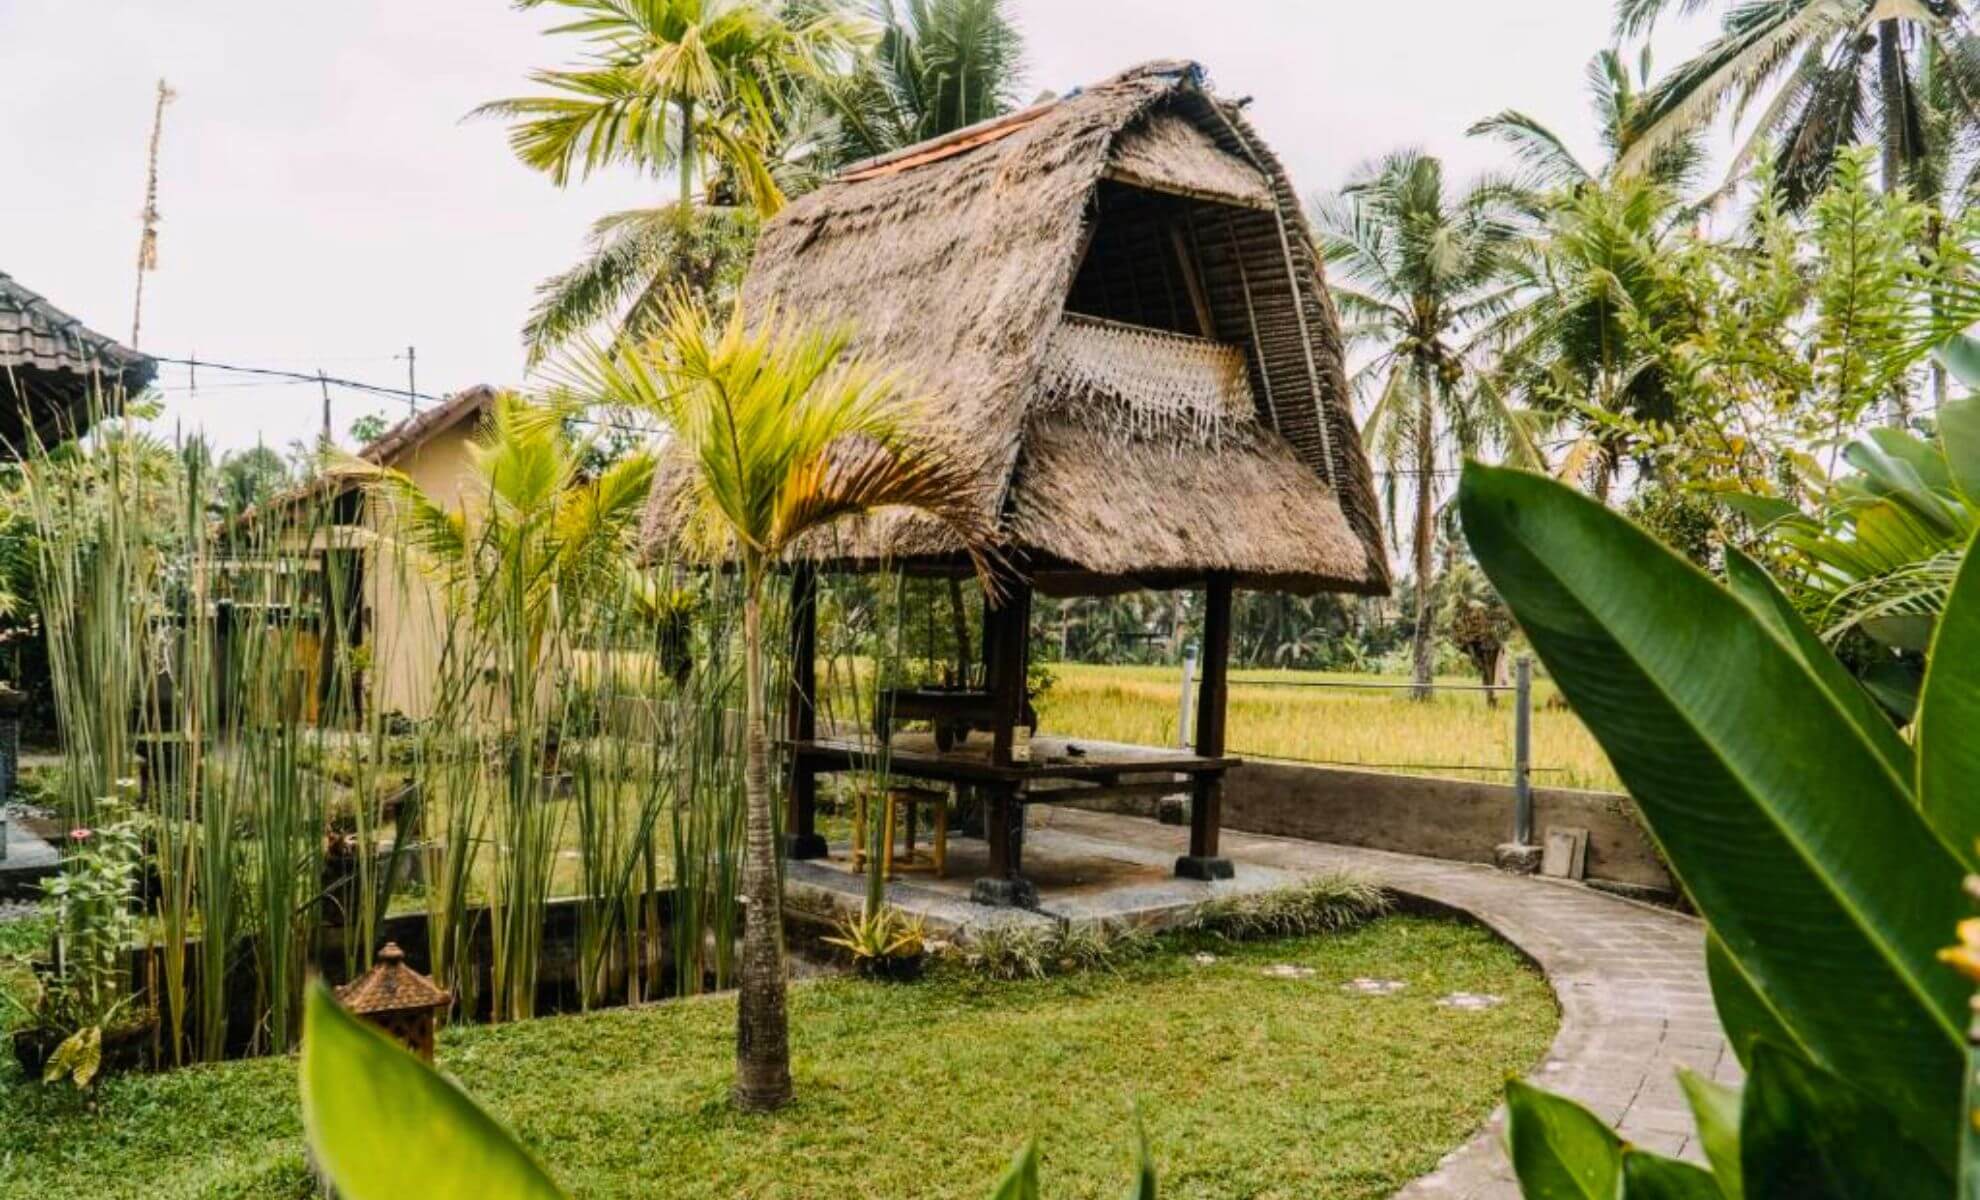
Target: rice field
{"x": 1454, "y": 734}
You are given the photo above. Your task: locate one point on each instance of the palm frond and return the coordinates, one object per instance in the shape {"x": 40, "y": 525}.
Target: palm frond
{"x": 1536, "y": 145}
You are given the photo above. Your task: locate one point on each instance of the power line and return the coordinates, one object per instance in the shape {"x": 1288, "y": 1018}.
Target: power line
{"x": 289, "y": 378}
{"x": 194, "y": 364}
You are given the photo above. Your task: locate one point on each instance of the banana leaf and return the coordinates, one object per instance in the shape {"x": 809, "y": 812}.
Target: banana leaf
{"x": 365, "y": 1100}
{"x": 1559, "y": 1149}
{"x": 1653, "y": 1177}
{"x": 1799, "y": 843}
{"x": 1808, "y": 1134}
{"x": 1949, "y": 716}
{"x": 1715, "y": 1110}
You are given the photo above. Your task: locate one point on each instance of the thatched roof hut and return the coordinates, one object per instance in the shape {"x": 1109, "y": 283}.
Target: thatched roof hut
{"x": 56, "y": 374}
{"x": 1113, "y": 303}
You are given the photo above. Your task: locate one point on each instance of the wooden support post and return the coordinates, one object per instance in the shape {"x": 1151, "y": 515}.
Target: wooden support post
{"x": 1212, "y": 696}
{"x": 801, "y": 837}
{"x": 1007, "y": 629}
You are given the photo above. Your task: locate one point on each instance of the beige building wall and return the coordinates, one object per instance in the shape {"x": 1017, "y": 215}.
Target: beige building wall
{"x": 408, "y": 629}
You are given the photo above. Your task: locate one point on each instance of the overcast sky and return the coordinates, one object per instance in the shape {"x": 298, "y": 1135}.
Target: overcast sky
{"x": 325, "y": 205}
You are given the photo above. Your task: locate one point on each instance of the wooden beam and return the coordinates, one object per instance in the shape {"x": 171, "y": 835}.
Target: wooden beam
{"x": 801, "y": 716}
{"x": 1170, "y": 187}
{"x": 1193, "y": 282}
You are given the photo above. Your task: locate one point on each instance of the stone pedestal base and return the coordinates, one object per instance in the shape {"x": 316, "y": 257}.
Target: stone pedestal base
{"x": 800, "y": 846}
{"x": 1190, "y": 866}
{"x": 1516, "y": 859}
{"x": 1005, "y": 893}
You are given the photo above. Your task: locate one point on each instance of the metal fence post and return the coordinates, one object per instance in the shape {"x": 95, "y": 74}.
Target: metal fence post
{"x": 1183, "y": 708}
{"x": 1523, "y": 751}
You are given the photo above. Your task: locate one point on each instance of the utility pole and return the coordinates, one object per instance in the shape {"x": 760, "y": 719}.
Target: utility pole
{"x": 412, "y": 381}
{"x": 147, "y": 257}
{"x": 328, "y": 438}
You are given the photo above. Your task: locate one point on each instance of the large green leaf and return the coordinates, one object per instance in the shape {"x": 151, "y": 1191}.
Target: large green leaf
{"x": 1805, "y": 1133}
{"x": 1787, "y": 826}
{"x": 1959, "y": 438}
{"x": 1020, "y": 1181}
{"x": 1765, "y": 511}
{"x": 1653, "y": 1177}
{"x": 384, "y": 1125}
{"x": 1560, "y": 1150}
{"x": 1949, "y": 715}
{"x": 1715, "y": 1110}
{"x": 1961, "y": 355}
{"x": 1751, "y": 583}
{"x": 1743, "y": 1011}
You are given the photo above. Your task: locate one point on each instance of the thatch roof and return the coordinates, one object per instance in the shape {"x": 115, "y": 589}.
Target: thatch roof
{"x": 54, "y": 370}
{"x": 1028, "y": 276}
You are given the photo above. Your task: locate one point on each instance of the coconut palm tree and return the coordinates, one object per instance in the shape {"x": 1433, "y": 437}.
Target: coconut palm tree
{"x": 938, "y": 66}
{"x": 1416, "y": 268}
{"x": 636, "y": 258}
{"x": 716, "y": 91}
{"x": 1618, "y": 98}
{"x": 1570, "y": 355}
{"x": 1591, "y": 268}
{"x": 1825, "y": 74}
{"x": 667, "y": 83}
{"x": 774, "y": 431}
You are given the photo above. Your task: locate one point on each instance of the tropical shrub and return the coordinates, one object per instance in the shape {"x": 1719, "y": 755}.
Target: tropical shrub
{"x": 885, "y": 944}
{"x": 1824, "y": 851}
{"x": 89, "y": 904}
{"x": 1871, "y": 567}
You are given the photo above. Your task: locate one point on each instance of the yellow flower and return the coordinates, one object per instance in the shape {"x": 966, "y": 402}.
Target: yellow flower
{"x": 1965, "y": 957}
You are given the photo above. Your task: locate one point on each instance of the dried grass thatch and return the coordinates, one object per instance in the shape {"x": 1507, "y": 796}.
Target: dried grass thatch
{"x": 958, "y": 262}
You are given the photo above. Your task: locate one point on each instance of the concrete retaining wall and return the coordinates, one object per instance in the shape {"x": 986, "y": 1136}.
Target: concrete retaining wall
{"x": 1439, "y": 818}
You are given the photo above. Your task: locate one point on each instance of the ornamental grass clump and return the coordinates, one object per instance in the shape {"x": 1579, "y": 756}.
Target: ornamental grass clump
{"x": 1325, "y": 904}
{"x": 1011, "y": 952}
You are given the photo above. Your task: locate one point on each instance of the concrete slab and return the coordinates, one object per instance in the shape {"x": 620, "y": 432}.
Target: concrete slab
{"x": 1080, "y": 880}
{"x": 29, "y": 860}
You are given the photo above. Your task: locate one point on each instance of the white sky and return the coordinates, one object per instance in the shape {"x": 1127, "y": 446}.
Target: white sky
{"x": 324, "y": 205}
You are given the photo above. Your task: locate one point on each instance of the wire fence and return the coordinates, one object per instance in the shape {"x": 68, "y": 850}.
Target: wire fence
{"x": 1518, "y": 764}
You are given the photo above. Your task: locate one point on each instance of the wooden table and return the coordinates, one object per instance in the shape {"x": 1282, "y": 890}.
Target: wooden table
{"x": 1060, "y": 769}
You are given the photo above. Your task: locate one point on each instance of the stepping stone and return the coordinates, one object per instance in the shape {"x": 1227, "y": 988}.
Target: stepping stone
{"x": 1374, "y": 987}
{"x": 1288, "y": 971}
{"x": 1204, "y": 960}
{"x": 1471, "y": 1001}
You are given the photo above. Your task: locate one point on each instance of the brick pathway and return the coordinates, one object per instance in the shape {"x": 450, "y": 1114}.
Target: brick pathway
{"x": 1635, "y": 1004}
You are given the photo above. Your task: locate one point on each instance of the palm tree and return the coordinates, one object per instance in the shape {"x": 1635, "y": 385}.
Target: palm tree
{"x": 1591, "y": 272}
{"x": 1414, "y": 268}
{"x": 718, "y": 91}
{"x": 669, "y": 82}
{"x": 774, "y": 432}
{"x": 1571, "y": 353}
{"x": 634, "y": 260}
{"x": 1618, "y": 100}
{"x": 939, "y": 65}
{"x": 1825, "y": 73}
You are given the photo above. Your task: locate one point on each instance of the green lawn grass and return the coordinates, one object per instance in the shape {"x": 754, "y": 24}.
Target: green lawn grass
{"x": 1453, "y": 734}
{"x": 1250, "y": 1085}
